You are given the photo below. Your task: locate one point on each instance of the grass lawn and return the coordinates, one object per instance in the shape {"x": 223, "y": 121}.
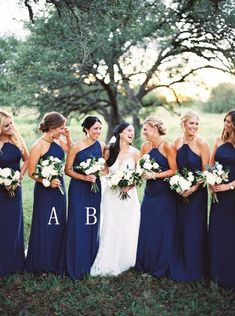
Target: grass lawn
{"x": 128, "y": 294}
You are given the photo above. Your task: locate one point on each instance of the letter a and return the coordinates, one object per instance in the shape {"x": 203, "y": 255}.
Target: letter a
{"x": 88, "y": 215}
{"x": 53, "y": 216}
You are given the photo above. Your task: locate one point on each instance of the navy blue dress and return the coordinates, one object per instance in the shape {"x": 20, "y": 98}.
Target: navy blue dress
{"x": 48, "y": 223}
{"x": 190, "y": 249}
{"x": 157, "y": 224}
{"x": 222, "y": 225}
{"x": 81, "y": 237}
{"x": 11, "y": 217}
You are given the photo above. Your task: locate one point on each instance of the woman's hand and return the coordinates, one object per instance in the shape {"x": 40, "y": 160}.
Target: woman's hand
{"x": 55, "y": 183}
{"x": 220, "y": 187}
{"x": 128, "y": 188}
{"x": 148, "y": 175}
{"x": 190, "y": 191}
{"x": 90, "y": 178}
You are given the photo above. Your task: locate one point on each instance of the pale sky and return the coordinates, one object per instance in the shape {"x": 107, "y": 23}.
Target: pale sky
{"x": 12, "y": 16}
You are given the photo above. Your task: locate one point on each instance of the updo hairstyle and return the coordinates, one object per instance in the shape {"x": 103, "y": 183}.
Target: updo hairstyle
{"x": 154, "y": 120}
{"x": 51, "y": 120}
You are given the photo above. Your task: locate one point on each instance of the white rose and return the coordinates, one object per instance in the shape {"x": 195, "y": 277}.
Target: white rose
{"x": 174, "y": 180}
{"x": 1, "y": 181}
{"x": 190, "y": 178}
{"x": 7, "y": 182}
{"x": 219, "y": 167}
{"x": 210, "y": 178}
{"x": 16, "y": 175}
{"x": 82, "y": 164}
{"x": 57, "y": 159}
{"x": 46, "y": 183}
{"x": 6, "y": 172}
{"x": 139, "y": 170}
{"x": 218, "y": 180}
{"x": 115, "y": 179}
{"x": 146, "y": 157}
{"x": 147, "y": 166}
{"x": 184, "y": 184}
{"x": 45, "y": 163}
{"x": 155, "y": 165}
{"x": 101, "y": 161}
{"x": 51, "y": 158}
{"x": 220, "y": 172}
{"x": 46, "y": 171}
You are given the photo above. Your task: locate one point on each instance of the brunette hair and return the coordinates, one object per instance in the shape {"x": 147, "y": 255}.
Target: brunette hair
{"x": 88, "y": 122}
{"x": 225, "y": 136}
{"x": 51, "y": 120}
{"x": 114, "y": 148}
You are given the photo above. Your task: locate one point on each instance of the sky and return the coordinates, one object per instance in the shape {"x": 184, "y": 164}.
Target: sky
{"x": 12, "y": 17}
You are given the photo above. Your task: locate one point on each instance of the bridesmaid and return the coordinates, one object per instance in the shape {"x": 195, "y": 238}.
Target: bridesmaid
{"x": 222, "y": 215}
{"x": 81, "y": 237}
{"x": 12, "y": 151}
{"x": 157, "y": 224}
{"x": 49, "y": 207}
{"x": 189, "y": 256}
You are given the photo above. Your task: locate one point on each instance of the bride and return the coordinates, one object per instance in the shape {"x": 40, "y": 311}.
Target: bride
{"x": 120, "y": 224}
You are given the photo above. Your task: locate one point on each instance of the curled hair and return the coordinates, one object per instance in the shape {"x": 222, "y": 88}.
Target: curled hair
{"x": 225, "y": 136}
{"x": 114, "y": 148}
{"x": 15, "y": 138}
{"x": 187, "y": 116}
{"x": 154, "y": 120}
{"x": 51, "y": 120}
{"x": 88, "y": 122}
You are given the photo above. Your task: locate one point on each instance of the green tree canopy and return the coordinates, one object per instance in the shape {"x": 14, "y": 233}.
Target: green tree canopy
{"x": 106, "y": 56}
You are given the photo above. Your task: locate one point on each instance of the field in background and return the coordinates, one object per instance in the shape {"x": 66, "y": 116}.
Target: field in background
{"x": 128, "y": 294}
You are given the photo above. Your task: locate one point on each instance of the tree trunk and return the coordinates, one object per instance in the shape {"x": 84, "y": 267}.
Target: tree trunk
{"x": 113, "y": 120}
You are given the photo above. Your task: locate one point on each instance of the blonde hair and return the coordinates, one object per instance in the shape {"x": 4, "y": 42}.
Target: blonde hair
{"x": 15, "y": 138}
{"x": 154, "y": 120}
{"x": 187, "y": 116}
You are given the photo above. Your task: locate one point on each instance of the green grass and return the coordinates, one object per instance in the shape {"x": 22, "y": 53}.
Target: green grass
{"x": 128, "y": 294}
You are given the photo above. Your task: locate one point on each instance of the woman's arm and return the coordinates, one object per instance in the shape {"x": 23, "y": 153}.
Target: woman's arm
{"x": 66, "y": 145}
{"x": 170, "y": 151}
{"x": 69, "y": 166}
{"x": 25, "y": 158}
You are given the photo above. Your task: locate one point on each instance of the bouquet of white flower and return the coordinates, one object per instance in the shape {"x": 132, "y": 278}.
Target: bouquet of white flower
{"x": 90, "y": 166}
{"x": 49, "y": 169}
{"x": 10, "y": 179}
{"x": 213, "y": 175}
{"x": 123, "y": 178}
{"x": 146, "y": 164}
{"x": 182, "y": 181}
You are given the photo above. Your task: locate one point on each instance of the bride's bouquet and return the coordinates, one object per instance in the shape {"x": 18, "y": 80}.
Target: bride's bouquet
{"x": 123, "y": 178}
{"x": 91, "y": 166}
{"x": 182, "y": 181}
{"x": 147, "y": 165}
{"x": 10, "y": 179}
{"x": 213, "y": 175}
{"x": 49, "y": 169}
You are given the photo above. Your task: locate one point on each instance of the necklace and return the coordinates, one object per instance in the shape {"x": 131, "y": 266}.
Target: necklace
{"x": 47, "y": 140}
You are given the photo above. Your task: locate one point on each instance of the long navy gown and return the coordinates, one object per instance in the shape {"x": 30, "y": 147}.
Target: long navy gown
{"x": 190, "y": 248}
{"x": 157, "y": 224}
{"x": 11, "y": 217}
{"x": 81, "y": 237}
{"x": 222, "y": 225}
{"x": 48, "y": 224}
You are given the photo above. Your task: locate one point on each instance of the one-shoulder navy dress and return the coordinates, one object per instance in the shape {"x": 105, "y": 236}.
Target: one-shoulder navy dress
{"x": 11, "y": 217}
{"x": 81, "y": 238}
{"x": 157, "y": 224}
{"x": 222, "y": 225}
{"x": 48, "y": 223}
{"x": 189, "y": 258}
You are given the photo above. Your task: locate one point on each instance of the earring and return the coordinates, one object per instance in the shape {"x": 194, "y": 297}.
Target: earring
{"x": 51, "y": 135}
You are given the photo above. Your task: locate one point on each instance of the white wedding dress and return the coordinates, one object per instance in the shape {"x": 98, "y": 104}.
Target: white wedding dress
{"x": 119, "y": 229}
